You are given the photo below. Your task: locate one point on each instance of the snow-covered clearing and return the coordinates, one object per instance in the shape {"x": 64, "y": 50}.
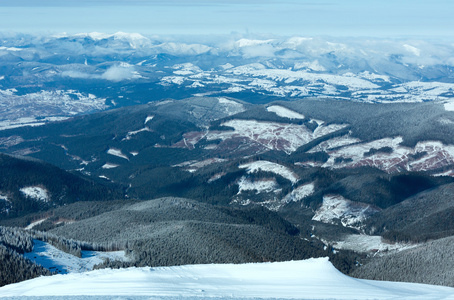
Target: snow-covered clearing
{"x": 54, "y": 259}
{"x": 231, "y": 107}
{"x": 368, "y": 243}
{"x": 288, "y": 76}
{"x": 307, "y": 279}
{"x": 299, "y": 193}
{"x": 267, "y": 166}
{"x": 336, "y": 208}
{"x": 273, "y": 135}
{"x": 35, "y": 193}
{"x": 284, "y": 112}
{"x": 28, "y": 121}
{"x": 117, "y": 152}
{"x": 435, "y": 155}
{"x": 261, "y": 186}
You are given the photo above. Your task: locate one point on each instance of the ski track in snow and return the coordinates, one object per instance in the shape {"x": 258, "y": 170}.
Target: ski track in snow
{"x": 308, "y": 279}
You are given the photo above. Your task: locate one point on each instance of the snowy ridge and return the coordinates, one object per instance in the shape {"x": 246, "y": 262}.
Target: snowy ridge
{"x": 308, "y": 279}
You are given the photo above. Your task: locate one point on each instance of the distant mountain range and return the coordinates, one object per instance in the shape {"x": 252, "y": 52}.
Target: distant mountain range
{"x": 60, "y": 76}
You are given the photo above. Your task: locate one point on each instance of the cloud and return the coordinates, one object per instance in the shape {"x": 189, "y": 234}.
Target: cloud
{"x": 119, "y": 73}
{"x": 77, "y": 74}
{"x": 115, "y": 73}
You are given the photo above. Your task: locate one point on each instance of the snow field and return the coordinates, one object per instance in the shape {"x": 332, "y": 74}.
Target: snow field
{"x": 308, "y": 279}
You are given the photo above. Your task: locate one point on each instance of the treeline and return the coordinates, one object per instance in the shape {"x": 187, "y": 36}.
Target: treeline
{"x": 431, "y": 263}
{"x": 420, "y": 218}
{"x": 15, "y": 268}
{"x": 201, "y": 243}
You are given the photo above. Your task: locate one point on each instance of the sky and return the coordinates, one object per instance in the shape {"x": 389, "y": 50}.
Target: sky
{"x": 355, "y": 18}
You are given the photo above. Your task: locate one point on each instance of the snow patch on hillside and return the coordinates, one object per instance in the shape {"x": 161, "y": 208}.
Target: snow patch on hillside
{"x": 284, "y": 112}
{"x": 267, "y": 166}
{"x": 117, "y": 152}
{"x": 130, "y": 134}
{"x": 299, "y": 193}
{"x": 334, "y": 143}
{"x": 109, "y": 166}
{"x": 54, "y": 259}
{"x": 148, "y": 119}
{"x": 194, "y": 165}
{"x": 36, "y": 193}
{"x": 336, "y": 208}
{"x": 449, "y": 105}
{"x": 314, "y": 278}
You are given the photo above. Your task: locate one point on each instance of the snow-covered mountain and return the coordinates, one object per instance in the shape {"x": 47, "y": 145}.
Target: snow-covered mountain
{"x": 308, "y": 279}
{"x": 59, "y": 76}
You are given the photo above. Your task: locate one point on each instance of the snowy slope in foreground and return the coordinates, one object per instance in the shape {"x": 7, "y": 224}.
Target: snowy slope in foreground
{"x": 308, "y": 279}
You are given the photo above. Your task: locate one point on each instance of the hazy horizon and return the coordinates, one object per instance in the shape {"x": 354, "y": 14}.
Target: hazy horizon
{"x": 308, "y": 18}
